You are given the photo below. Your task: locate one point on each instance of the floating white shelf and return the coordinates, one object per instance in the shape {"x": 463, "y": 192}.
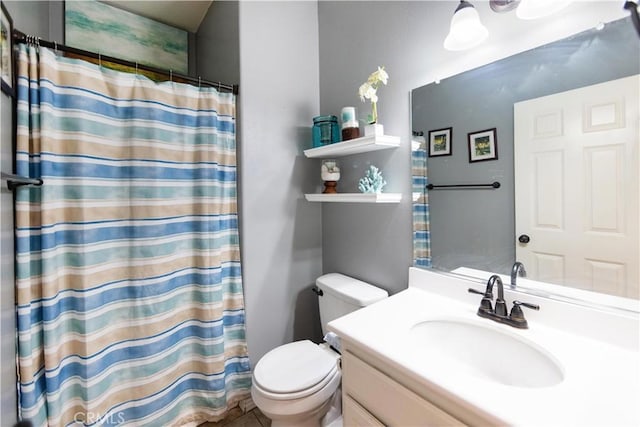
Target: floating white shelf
{"x": 355, "y": 146}
{"x": 355, "y": 197}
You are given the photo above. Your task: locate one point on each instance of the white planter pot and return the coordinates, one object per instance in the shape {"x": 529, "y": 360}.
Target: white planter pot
{"x": 374, "y": 129}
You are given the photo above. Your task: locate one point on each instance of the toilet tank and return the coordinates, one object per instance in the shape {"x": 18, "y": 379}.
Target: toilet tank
{"x": 342, "y": 295}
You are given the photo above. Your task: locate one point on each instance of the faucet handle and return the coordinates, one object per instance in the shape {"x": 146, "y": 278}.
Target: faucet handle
{"x": 487, "y": 293}
{"x": 526, "y": 304}
{"x": 517, "y": 316}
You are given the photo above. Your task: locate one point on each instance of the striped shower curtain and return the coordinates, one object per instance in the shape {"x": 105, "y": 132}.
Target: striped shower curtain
{"x": 129, "y": 293}
{"x": 420, "y": 206}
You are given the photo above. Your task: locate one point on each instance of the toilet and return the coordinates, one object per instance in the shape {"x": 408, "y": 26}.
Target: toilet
{"x": 295, "y": 384}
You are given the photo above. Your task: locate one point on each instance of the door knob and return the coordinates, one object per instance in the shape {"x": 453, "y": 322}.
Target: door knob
{"x": 524, "y": 238}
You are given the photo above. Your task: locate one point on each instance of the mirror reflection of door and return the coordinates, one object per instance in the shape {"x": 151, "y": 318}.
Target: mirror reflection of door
{"x": 577, "y": 185}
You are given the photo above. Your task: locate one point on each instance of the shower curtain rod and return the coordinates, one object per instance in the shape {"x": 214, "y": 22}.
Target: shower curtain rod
{"x": 20, "y": 37}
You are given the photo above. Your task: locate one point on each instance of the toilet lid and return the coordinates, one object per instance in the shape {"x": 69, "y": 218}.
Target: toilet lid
{"x": 293, "y": 367}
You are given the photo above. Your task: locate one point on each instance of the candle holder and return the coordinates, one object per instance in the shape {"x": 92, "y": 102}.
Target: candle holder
{"x": 330, "y": 174}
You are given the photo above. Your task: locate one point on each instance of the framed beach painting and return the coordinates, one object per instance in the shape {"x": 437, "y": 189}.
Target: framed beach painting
{"x": 6, "y": 49}
{"x": 483, "y": 145}
{"x": 440, "y": 142}
{"x": 104, "y": 29}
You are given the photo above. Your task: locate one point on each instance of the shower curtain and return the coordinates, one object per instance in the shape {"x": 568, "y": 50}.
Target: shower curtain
{"x": 130, "y": 308}
{"x": 420, "y": 206}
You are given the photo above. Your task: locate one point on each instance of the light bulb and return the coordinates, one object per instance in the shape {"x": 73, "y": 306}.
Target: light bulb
{"x": 466, "y": 30}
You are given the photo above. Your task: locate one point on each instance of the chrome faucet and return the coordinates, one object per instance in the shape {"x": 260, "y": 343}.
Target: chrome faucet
{"x": 517, "y": 270}
{"x": 499, "y": 313}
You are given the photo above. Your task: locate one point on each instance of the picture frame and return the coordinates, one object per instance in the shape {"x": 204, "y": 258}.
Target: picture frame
{"x": 6, "y": 52}
{"x": 132, "y": 37}
{"x": 483, "y": 145}
{"x": 440, "y": 142}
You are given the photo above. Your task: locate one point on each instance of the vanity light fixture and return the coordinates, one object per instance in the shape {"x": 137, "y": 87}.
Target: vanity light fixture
{"x": 534, "y": 9}
{"x": 501, "y": 6}
{"x": 466, "y": 30}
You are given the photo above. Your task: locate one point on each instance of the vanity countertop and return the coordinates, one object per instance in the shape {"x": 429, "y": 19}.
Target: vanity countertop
{"x": 601, "y": 385}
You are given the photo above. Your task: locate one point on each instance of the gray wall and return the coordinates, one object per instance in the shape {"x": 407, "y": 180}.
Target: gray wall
{"x": 43, "y": 19}
{"x": 369, "y": 242}
{"x": 280, "y": 231}
{"x": 218, "y": 43}
{"x": 476, "y": 228}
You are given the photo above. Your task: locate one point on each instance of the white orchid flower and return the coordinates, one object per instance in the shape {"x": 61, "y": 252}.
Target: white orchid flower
{"x": 366, "y": 91}
{"x": 362, "y": 90}
{"x": 382, "y": 75}
{"x": 370, "y": 93}
{"x": 379, "y": 76}
{"x": 369, "y": 88}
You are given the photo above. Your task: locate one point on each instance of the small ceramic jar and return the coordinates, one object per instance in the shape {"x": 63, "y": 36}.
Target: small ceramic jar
{"x": 350, "y": 127}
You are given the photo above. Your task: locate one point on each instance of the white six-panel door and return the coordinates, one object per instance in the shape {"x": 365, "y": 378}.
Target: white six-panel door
{"x": 577, "y": 159}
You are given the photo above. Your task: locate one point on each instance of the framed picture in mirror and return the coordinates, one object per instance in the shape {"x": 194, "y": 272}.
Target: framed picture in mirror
{"x": 440, "y": 142}
{"x": 483, "y": 145}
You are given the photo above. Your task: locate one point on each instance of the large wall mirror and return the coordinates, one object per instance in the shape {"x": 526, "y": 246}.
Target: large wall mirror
{"x": 557, "y": 128}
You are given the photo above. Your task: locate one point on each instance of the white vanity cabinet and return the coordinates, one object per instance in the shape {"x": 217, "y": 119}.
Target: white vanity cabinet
{"x": 396, "y": 375}
{"x": 372, "y": 398}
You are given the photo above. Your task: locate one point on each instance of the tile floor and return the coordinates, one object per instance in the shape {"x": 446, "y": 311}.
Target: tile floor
{"x": 235, "y": 418}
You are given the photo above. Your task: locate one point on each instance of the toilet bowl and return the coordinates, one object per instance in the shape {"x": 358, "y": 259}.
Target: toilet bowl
{"x": 295, "y": 384}
{"x": 297, "y": 392}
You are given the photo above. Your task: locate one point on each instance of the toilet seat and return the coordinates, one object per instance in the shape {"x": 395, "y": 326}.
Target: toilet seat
{"x": 295, "y": 370}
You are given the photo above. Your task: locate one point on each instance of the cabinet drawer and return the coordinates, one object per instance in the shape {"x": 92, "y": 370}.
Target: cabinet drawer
{"x": 354, "y": 415}
{"x": 388, "y": 401}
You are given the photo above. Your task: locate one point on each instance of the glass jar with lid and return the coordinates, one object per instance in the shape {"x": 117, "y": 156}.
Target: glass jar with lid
{"x": 325, "y": 131}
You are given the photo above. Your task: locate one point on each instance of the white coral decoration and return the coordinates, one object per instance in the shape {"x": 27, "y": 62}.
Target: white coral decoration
{"x": 372, "y": 182}
{"x": 369, "y": 88}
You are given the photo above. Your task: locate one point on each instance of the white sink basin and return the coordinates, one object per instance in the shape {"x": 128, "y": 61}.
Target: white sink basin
{"x": 486, "y": 352}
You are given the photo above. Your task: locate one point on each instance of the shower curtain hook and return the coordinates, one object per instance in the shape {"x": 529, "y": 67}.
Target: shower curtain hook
{"x": 171, "y": 76}
{"x": 219, "y": 84}
{"x": 199, "y": 82}
{"x": 55, "y": 46}
{"x": 136, "y": 68}
{"x": 99, "y": 60}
